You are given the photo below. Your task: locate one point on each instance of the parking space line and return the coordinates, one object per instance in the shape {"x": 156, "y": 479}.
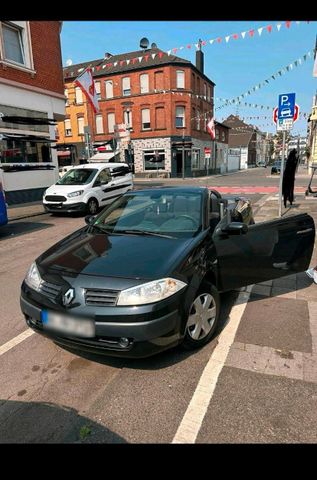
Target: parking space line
{"x": 191, "y": 423}
{"x": 15, "y": 341}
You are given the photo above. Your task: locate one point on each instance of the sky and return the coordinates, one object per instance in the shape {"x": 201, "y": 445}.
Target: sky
{"x": 235, "y": 66}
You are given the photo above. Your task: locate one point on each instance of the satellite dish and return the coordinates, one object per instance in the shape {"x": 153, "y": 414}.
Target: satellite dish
{"x": 144, "y": 43}
{"x": 69, "y": 62}
{"x": 153, "y": 45}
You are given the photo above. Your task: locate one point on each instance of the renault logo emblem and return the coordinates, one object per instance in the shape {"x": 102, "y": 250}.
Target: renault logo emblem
{"x": 68, "y": 297}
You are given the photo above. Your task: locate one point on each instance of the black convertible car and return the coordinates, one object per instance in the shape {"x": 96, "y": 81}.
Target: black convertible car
{"x": 145, "y": 274}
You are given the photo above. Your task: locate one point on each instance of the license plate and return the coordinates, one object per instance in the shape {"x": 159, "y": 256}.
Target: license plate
{"x": 59, "y": 322}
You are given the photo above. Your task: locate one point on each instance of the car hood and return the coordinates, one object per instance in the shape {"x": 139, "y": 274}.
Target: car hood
{"x": 64, "y": 189}
{"x": 128, "y": 256}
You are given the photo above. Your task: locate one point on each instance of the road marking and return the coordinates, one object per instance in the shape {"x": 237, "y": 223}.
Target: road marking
{"x": 15, "y": 341}
{"x": 190, "y": 425}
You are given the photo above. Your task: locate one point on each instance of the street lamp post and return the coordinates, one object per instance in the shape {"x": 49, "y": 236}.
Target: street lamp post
{"x": 183, "y": 154}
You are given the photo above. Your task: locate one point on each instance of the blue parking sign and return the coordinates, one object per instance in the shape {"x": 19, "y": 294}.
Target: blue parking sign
{"x": 286, "y": 106}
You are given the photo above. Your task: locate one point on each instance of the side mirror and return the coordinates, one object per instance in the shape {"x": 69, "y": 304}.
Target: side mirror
{"x": 89, "y": 219}
{"x": 235, "y": 228}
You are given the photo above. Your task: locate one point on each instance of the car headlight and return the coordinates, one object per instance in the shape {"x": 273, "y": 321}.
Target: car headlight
{"x": 33, "y": 278}
{"x": 75, "y": 194}
{"x": 150, "y": 292}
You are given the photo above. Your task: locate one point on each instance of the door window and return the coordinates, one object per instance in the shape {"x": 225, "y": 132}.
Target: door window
{"x": 103, "y": 177}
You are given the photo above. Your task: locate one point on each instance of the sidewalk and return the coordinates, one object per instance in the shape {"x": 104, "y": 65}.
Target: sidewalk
{"x": 25, "y": 210}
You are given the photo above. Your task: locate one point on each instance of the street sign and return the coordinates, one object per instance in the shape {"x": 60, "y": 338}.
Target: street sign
{"x": 284, "y": 125}
{"x": 286, "y": 106}
{"x": 295, "y": 118}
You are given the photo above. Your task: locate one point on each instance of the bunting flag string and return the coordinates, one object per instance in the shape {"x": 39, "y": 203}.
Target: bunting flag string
{"x": 265, "y": 82}
{"x": 173, "y": 51}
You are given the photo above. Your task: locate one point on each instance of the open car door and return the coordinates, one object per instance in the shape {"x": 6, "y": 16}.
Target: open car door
{"x": 264, "y": 251}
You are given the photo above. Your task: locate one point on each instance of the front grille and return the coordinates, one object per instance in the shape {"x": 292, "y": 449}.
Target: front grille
{"x": 101, "y": 298}
{"x": 50, "y": 289}
{"x": 55, "y": 198}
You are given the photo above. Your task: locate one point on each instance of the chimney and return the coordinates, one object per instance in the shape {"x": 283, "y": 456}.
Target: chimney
{"x": 200, "y": 58}
{"x": 107, "y": 55}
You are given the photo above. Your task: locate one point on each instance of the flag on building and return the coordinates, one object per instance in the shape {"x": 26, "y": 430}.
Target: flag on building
{"x": 211, "y": 128}
{"x": 87, "y": 84}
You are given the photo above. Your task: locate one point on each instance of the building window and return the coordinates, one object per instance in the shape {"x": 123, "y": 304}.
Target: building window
{"x": 159, "y": 80}
{"x": 146, "y": 122}
{"x": 13, "y": 44}
{"x": 16, "y": 151}
{"x": 68, "y": 128}
{"x": 217, "y": 134}
{"x": 144, "y": 83}
{"x": 80, "y": 123}
{"x": 160, "y": 118}
{"x": 205, "y": 91}
{"x": 109, "y": 88}
{"x": 79, "y": 95}
{"x": 209, "y": 90}
{"x": 180, "y": 79}
{"x": 111, "y": 122}
{"x": 198, "y": 85}
{"x": 198, "y": 119}
{"x": 126, "y": 89}
{"x": 154, "y": 159}
{"x": 97, "y": 86}
{"x": 205, "y": 122}
{"x": 195, "y": 158}
{"x": 66, "y": 95}
{"x": 180, "y": 117}
{"x": 99, "y": 124}
{"x": 223, "y": 136}
{"x": 127, "y": 118}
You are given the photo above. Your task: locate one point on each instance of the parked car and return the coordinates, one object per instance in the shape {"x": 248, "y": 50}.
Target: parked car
{"x": 276, "y": 167}
{"x": 3, "y": 207}
{"x": 261, "y": 163}
{"x": 146, "y": 273}
{"x": 88, "y": 187}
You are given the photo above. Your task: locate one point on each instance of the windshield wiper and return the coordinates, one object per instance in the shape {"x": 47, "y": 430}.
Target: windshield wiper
{"x": 144, "y": 232}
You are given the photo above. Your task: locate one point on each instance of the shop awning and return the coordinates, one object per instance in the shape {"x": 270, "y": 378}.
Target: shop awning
{"x": 102, "y": 157}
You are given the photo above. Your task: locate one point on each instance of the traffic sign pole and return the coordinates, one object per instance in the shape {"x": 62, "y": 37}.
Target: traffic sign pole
{"x": 281, "y": 177}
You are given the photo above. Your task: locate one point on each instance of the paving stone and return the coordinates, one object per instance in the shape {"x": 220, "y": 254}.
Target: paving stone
{"x": 264, "y": 290}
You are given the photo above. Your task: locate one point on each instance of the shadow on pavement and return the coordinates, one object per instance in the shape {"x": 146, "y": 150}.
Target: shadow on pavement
{"x": 38, "y": 422}
{"x": 20, "y": 228}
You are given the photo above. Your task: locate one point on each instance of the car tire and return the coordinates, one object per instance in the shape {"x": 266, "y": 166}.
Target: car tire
{"x": 202, "y": 325}
{"x": 92, "y": 206}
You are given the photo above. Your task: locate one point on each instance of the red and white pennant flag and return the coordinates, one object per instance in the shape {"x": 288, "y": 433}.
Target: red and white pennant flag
{"x": 211, "y": 128}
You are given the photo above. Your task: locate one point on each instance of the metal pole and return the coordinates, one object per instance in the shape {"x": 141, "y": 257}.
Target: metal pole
{"x": 183, "y": 157}
{"x": 281, "y": 177}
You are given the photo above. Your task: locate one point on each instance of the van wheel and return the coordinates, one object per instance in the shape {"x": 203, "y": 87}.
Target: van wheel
{"x": 92, "y": 206}
{"x": 203, "y": 317}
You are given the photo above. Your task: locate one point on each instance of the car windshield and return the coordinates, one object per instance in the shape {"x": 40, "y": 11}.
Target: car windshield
{"x": 166, "y": 213}
{"x": 78, "y": 176}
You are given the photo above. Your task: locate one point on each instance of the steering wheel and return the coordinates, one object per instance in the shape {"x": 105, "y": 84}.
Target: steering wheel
{"x": 216, "y": 193}
{"x": 188, "y": 217}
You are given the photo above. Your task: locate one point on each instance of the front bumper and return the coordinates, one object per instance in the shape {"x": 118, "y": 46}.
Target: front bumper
{"x": 146, "y": 336}
{"x": 65, "y": 207}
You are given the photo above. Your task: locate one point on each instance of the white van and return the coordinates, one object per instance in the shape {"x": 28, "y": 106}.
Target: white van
{"x": 88, "y": 187}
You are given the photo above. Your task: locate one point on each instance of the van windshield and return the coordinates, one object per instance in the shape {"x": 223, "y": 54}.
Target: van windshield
{"x": 78, "y": 176}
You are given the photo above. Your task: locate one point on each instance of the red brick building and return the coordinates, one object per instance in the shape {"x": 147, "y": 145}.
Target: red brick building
{"x": 31, "y": 86}
{"x": 163, "y": 101}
